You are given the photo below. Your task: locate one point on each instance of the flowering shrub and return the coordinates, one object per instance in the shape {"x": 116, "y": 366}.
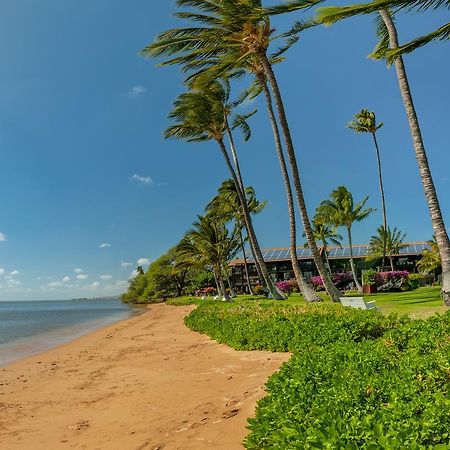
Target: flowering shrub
{"x": 206, "y": 291}
{"x": 397, "y": 280}
{"x": 286, "y": 286}
{"x": 341, "y": 281}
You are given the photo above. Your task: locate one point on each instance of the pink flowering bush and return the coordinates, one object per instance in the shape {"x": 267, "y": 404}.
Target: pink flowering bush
{"x": 397, "y": 280}
{"x": 340, "y": 280}
{"x": 286, "y": 287}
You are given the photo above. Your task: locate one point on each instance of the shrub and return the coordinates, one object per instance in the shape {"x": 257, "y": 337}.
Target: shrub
{"x": 340, "y": 280}
{"x": 416, "y": 280}
{"x": 392, "y": 281}
{"x": 285, "y": 286}
{"x": 368, "y": 277}
{"x": 258, "y": 290}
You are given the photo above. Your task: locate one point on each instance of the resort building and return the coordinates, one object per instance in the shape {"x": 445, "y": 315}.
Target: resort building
{"x": 279, "y": 264}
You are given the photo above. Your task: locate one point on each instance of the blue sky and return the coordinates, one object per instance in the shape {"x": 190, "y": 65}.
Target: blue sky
{"x": 84, "y": 162}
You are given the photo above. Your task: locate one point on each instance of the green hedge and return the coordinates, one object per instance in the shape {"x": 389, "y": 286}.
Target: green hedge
{"x": 357, "y": 379}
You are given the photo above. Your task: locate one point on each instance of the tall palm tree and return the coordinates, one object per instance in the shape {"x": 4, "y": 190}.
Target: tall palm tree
{"x": 211, "y": 244}
{"x": 325, "y": 234}
{"x": 365, "y": 122}
{"x": 332, "y": 14}
{"x": 235, "y": 31}
{"x": 389, "y": 43}
{"x": 226, "y": 206}
{"x": 199, "y": 116}
{"x": 341, "y": 211}
{"x": 386, "y": 242}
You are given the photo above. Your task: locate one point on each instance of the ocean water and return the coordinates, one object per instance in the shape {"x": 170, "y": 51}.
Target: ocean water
{"x": 27, "y": 328}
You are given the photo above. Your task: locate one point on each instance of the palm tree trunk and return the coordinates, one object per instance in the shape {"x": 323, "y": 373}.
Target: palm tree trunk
{"x": 325, "y": 251}
{"x": 383, "y": 204}
{"x": 241, "y": 184}
{"x": 352, "y": 262}
{"x": 331, "y": 289}
{"x": 218, "y": 286}
{"x": 248, "y": 222}
{"x": 391, "y": 259}
{"x": 308, "y": 293}
{"x": 250, "y": 290}
{"x": 424, "y": 169}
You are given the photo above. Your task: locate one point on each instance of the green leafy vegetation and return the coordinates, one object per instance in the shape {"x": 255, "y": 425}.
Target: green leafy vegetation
{"x": 357, "y": 379}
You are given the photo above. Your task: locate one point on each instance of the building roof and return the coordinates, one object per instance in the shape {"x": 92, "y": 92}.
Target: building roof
{"x": 359, "y": 251}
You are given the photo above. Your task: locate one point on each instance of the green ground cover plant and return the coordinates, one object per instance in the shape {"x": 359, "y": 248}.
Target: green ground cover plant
{"x": 356, "y": 380}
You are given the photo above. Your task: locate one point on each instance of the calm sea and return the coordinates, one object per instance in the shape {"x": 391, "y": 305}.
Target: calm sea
{"x": 27, "y": 328}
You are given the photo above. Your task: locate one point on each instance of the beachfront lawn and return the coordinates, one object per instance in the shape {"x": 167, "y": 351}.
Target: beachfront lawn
{"x": 418, "y": 303}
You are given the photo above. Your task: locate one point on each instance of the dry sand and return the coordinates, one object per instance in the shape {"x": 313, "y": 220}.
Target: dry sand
{"x": 145, "y": 383}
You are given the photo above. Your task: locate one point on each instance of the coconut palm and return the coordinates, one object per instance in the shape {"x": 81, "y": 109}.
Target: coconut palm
{"x": 199, "y": 116}
{"x": 389, "y": 42}
{"x": 386, "y": 242}
{"x": 331, "y": 14}
{"x": 226, "y": 206}
{"x": 431, "y": 259}
{"x": 341, "y": 211}
{"x": 365, "y": 122}
{"x": 325, "y": 234}
{"x": 237, "y": 31}
{"x": 209, "y": 244}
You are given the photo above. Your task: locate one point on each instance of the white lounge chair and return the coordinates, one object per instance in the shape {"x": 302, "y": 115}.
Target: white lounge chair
{"x": 357, "y": 302}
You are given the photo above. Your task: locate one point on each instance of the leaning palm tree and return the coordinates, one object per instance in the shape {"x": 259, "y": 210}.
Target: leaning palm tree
{"x": 199, "y": 116}
{"x": 341, "y": 211}
{"x": 389, "y": 47}
{"x": 325, "y": 234}
{"x": 236, "y": 31}
{"x": 365, "y": 122}
{"x": 226, "y": 206}
{"x": 386, "y": 242}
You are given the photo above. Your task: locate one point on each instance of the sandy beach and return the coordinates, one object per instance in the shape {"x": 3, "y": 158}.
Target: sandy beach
{"x": 145, "y": 383}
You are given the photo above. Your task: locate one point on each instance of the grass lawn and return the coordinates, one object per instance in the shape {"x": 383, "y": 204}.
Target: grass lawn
{"x": 419, "y": 303}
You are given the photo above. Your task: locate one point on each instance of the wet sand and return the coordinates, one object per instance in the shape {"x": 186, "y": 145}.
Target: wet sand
{"x": 144, "y": 383}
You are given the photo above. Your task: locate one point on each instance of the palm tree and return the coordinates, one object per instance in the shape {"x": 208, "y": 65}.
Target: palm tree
{"x": 332, "y": 14}
{"x": 200, "y": 116}
{"x": 431, "y": 259}
{"x": 325, "y": 234}
{"x": 341, "y": 211}
{"x": 226, "y": 206}
{"x": 211, "y": 244}
{"x": 389, "y": 43}
{"x": 386, "y": 242}
{"x": 365, "y": 122}
{"x": 234, "y": 32}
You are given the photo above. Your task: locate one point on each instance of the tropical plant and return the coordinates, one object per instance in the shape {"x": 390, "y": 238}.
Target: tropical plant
{"x": 386, "y": 243}
{"x": 333, "y": 14}
{"x": 200, "y": 116}
{"x": 341, "y": 211}
{"x": 209, "y": 243}
{"x": 365, "y": 122}
{"x": 325, "y": 234}
{"x": 390, "y": 49}
{"x": 234, "y": 35}
{"x": 226, "y": 206}
{"x": 431, "y": 259}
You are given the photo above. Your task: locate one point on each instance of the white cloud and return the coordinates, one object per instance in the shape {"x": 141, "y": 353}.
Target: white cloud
{"x": 12, "y": 282}
{"x": 105, "y": 277}
{"x": 14, "y": 273}
{"x": 105, "y": 245}
{"x": 2, "y": 271}
{"x": 143, "y": 262}
{"x": 142, "y": 179}
{"x": 66, "y": 279}
{"x": 125, "y": 264}
{"x": 120, "y": 283}
{"x": 95, "y": 284}
{"x": 54, "y": 284}
{"x": 81, "y": 276}
{"x": 78, "y": 270}
{"x": 3, "y": 237}
{"x": 137, "y": 91}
